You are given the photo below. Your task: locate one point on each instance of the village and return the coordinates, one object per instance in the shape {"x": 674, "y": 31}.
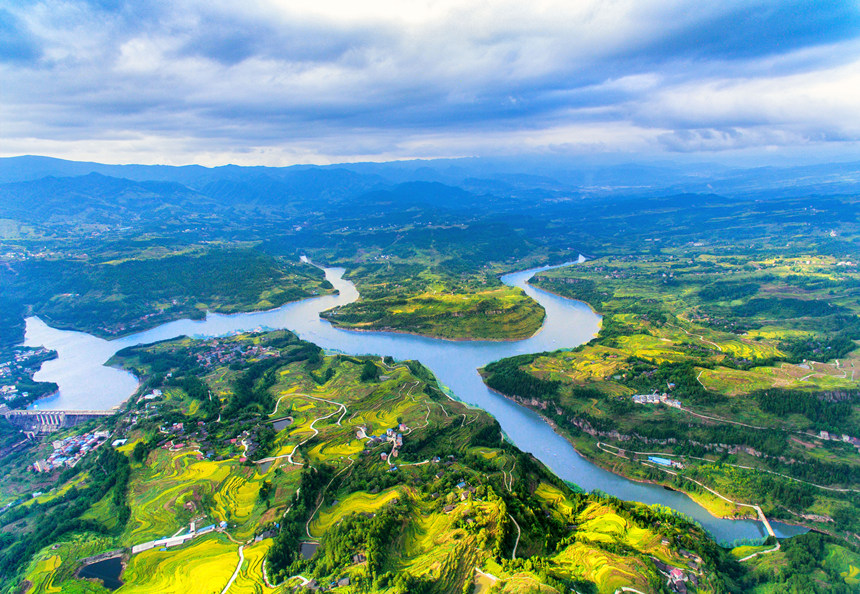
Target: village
{"x": 18, "y": 366}
{"x": 656, "y": 399}
{"x": 69, "y": 451}
{"x": 217, "y": 352}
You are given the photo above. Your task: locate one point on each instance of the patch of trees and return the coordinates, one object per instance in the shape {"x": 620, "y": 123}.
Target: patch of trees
{"x": 210, "y": 405}
{"x": 824, "y": 414}
{"x": 284, "y": 557}
{"x": 369, "y": 371}
{"x": 818, "y": 348}
{"x": 370, "y": 534}
{"x": 505, "y": 376}
{"x": 728, "y": 291}
{"x": 251, "y": 388}
{"x": 786, "y": 308}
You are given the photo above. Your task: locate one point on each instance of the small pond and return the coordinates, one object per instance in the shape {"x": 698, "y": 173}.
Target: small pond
{"x": 107, "y": 571}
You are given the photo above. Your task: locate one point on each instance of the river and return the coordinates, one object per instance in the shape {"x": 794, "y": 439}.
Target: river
{"x": 85, "y": 383}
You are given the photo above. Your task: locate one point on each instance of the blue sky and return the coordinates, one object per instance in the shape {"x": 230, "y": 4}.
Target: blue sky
{"x": 282, "y": 82}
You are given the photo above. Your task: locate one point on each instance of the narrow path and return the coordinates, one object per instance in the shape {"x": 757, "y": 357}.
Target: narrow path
{"x": 289, "y": 456}
{"x": 519, "y": 533}
{"x": 278, "y": 403}
{"x": 699, "y": 336}
{"x": 602, "y": 447}
{"x": 238, "y": 569}
{"x": 720, "y": 419}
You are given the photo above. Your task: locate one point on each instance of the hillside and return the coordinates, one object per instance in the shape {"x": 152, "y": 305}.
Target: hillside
{"x": 455, "y": 508}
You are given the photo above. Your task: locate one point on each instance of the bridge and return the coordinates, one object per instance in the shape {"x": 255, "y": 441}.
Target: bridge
{"x": 48, "y": 421}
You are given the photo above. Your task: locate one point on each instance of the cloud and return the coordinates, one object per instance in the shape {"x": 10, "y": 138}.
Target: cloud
{"x": 328, "y": 80}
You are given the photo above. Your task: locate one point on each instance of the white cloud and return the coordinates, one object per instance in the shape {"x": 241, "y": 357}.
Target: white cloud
{"x": 273, "y": 80}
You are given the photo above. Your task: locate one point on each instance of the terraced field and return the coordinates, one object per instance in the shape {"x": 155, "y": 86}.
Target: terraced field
{"x": 354, "y": 503}
{"x": 204, "y": 565}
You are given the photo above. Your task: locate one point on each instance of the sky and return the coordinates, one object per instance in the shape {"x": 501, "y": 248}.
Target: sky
{"x": 268, "y": 82}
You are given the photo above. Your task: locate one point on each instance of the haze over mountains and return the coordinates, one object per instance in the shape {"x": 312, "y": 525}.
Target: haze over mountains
{"x": 274, "y": 185}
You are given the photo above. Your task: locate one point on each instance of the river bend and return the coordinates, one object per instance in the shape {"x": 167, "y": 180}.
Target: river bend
{"x": 85, "y": 383}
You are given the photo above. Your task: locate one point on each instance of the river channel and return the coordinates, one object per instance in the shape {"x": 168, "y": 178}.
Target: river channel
{"x": 85, "y": 383}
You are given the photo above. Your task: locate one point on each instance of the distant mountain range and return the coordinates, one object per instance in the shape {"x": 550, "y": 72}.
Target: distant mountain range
{"x": 233, "y": 183}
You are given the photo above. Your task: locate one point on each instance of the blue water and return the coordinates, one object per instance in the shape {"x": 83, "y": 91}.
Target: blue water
{"x": 85, "y": 383}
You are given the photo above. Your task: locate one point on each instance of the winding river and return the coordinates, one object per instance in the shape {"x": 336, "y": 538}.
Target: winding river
{"x": 85, "y": 383}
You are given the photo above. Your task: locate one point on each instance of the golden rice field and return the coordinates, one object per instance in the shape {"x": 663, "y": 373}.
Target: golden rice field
{"x": 335, "y": 449}
{"x": 651, "y": 348}
{"x": 608, "y": 571}
{"x": 592, "y": 363}
{"x": 43, "y": 574}
{"x": 235, "y": 500}
{"x": 205, "y": 565}
{"x": 250, "y": 578}
{"x": 354, "y": 503}
{"x": 160, "y": 490}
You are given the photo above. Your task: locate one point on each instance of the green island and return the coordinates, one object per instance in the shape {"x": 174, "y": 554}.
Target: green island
{"x": 734, "y": 368}
{"x": 439, "y": 280}
{"x": 401, "y": 488}
{"x": 126, "y": 287}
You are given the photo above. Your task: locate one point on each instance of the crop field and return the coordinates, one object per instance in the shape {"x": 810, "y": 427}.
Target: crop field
{"x": 204, "y": 565}
{"x": 250, "y": 578}
{"x": 355, "y": 503}
{"x": 591, "y": 363}
{"x": 816, "y": 376}
{"x": 234, "y": 501}
{"x": 436, "y": 548}
{"x": 44, "y": 573}
{"x": 156, "y": 496}
{"x": 610, "y": 572}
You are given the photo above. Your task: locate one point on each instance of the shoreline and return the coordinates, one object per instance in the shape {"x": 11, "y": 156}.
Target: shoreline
{"x": 69, "y": 327}
{"x": 557, "y": 294}
{"x": 693, "y": 496}
{"x": 386, "y": 330}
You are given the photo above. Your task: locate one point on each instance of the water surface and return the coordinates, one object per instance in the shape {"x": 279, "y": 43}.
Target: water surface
{"x": 86, "y": 384}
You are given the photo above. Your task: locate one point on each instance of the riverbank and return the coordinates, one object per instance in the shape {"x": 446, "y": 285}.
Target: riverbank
{"x": 713, "y": 504}
{"x": 387, "y": 330}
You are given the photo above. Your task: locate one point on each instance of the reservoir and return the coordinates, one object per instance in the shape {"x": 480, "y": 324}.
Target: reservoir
{"x": 85, "y": 383}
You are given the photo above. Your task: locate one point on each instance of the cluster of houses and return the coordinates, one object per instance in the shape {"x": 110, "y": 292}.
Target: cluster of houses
{"x": 678, "y": 579}
{"x": 224, "y": 353}
{"x": 20, "y": 365}
{"x": 393, "y": 436}
{"x": 827, "y": 436}
{"x": 69, "y": 451}
{"x": 656, "y": 399}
